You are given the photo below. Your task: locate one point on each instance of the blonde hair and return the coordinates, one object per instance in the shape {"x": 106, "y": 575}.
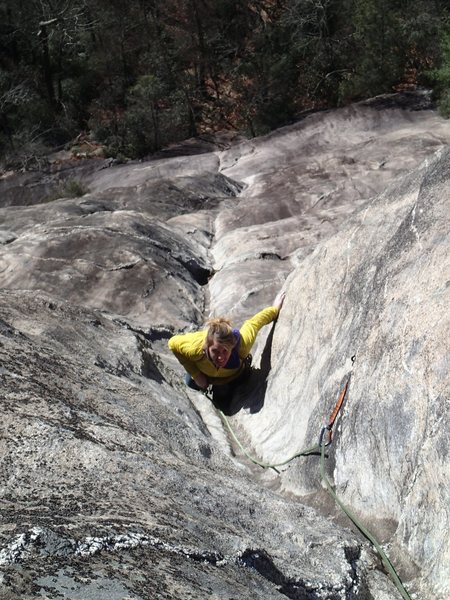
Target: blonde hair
{"x": 221, "y": 331}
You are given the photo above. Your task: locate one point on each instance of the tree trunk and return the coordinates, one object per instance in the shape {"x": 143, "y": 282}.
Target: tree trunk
{"x": 156, "y": 133}
{"x": 203, "y": 58}
{"x": 46, "y": 65}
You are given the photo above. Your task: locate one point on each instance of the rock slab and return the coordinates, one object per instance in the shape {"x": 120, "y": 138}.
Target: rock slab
{"x": 116, "y": 481}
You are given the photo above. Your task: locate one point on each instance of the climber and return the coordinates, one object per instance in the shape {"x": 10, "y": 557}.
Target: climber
{"x": 220, "y": 355}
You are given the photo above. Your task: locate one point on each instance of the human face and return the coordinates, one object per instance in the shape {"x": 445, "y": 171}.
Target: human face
{"x": 219, "y": 354}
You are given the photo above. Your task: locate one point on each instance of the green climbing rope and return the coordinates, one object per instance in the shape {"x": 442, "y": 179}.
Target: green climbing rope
{"x": 312, "y": 450}
{"x": 386, "y": 562}
{"x": 320, "y": 449}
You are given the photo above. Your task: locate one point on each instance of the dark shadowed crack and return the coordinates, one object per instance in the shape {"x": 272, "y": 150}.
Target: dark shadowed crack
{"x": 122, "y": 266}
{"x": 271, "y": 256}
{"x": 155, "y": 333}
{"x": 150, "y": 362}
{"x": 8, "y": 330}
{"x": 356, "y": 587}
{"x": 294, "y": 589}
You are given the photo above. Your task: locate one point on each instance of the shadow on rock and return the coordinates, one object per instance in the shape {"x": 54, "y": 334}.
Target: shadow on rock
{"x": 251, "y": 394}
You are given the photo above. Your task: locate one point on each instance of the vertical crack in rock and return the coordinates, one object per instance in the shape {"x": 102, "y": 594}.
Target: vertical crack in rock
{"x": 356, "y": 588}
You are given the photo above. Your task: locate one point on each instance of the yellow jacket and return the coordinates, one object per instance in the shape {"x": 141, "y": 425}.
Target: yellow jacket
{"x": 189, "y": 348}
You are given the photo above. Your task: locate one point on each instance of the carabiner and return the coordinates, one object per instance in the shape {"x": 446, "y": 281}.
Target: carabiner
{"x": 322, "y": 433}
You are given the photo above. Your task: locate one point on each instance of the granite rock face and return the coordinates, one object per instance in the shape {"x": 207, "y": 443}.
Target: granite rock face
{"x": 117, "y": 481}
{"x": 112, "y": 486}
{"x": 371, "y": 304}
{"x": 379, "y": 292}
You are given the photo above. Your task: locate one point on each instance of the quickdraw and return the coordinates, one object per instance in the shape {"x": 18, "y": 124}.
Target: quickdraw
{"x": 320, "y": 449}
{"x": 329, "y": 428}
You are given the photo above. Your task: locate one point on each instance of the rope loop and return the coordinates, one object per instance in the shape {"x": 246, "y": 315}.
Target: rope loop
{"x": 320, "y": 449}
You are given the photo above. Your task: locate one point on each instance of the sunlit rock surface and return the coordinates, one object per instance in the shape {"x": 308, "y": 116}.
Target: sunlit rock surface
{"x": 378, "y": 293}
{"x": 116, "y": 482}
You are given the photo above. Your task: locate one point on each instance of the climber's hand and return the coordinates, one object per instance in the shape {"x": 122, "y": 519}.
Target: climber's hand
{"x": 278, "y": 302}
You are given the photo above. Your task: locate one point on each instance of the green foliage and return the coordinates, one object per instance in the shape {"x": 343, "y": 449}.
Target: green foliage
{"x": 74, "y": 189}
{"x": 393, "y": 42}
{"x": 155, "y": 115}
{"x": 71, "y": 188}
{"x": 441, "y": 75}
{"x": 444, "y": 103}
{"x": 143, "y": 74}
{"x": 377, "y": 63}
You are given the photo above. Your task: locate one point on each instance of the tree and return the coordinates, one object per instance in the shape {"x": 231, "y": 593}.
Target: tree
{"x": 156, "y": 116}
{"x": 393, "y": 41}
{"x": 143, "y": 73}
{"x": 441, "y": 75}
{"x": 45, "y": 41}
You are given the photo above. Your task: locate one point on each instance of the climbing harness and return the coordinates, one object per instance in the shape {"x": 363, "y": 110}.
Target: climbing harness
{"x": 325, "y": 439}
